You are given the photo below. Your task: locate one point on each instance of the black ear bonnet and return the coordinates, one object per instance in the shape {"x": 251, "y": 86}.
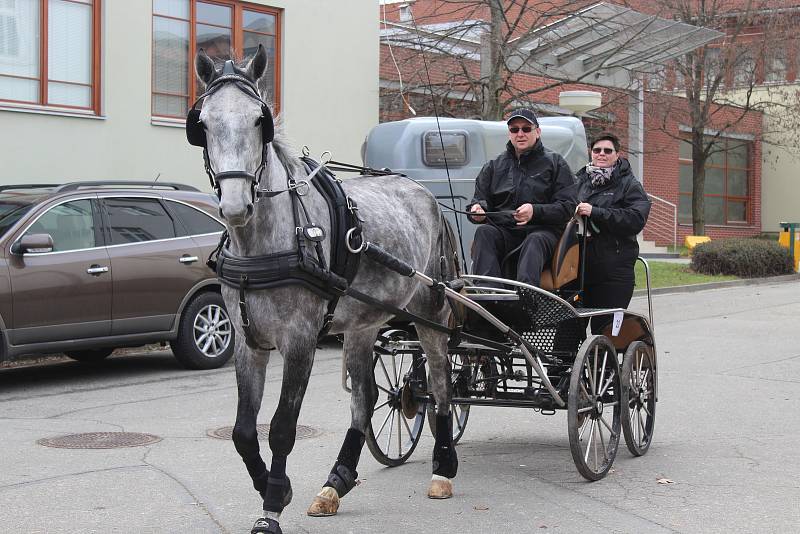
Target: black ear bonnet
{"x": 196, "y": 133}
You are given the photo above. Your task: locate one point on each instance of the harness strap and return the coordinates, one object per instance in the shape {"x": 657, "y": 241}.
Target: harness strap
{"x": 398, "y": 312}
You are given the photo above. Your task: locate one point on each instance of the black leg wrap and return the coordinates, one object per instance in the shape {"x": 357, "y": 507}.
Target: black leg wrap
{"x": 351, "y": 449}
{"x": 278, "y": 494}
{"x": 445, "y": 459}
{"x": 341, "y": 479}
{"x": 260, "y": 483}
{"x": 266, "y": 526}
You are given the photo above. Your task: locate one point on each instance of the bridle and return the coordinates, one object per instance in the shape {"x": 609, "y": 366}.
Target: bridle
{"x": 196, "y": 135}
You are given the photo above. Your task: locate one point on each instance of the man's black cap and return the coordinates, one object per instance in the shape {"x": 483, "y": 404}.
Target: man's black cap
{"x": 523, "y": 113}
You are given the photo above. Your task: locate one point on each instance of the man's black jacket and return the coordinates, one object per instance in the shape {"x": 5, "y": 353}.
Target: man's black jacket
{"x": 540, "y": 177}
{"x": 619, "y": 208}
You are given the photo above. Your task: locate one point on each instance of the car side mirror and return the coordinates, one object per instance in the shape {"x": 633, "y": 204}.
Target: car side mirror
{"x": 33, "y": 243}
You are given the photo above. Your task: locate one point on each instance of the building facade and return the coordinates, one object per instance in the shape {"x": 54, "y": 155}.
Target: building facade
{"x": 98, "y": 89}
{"x": 748, "y": 177}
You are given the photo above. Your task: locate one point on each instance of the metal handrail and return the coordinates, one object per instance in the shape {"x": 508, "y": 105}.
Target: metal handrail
{"x": 674, "y": 218}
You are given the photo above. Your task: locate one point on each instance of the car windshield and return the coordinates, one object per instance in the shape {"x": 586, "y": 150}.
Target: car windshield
{"x": 11, "y": 211}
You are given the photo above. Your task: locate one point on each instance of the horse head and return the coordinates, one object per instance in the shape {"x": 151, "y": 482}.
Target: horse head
{"x": 235, "y": 128}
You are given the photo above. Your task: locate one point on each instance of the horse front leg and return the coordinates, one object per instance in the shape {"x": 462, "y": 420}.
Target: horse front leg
{"x": 357, "y": 354}
{"x": 298, "y": 360}
{"x": 445, "y": 458}
{"x": 251, "y": 367}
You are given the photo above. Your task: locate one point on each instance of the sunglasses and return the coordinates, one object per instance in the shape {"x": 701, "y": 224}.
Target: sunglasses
{"x": 526, "y": 129}
{"x": 603, "y": 150}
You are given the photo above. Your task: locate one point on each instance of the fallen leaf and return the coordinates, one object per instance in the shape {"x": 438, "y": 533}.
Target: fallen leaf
{"x": 481, "y": 507}
{"x": 664, "y": 481}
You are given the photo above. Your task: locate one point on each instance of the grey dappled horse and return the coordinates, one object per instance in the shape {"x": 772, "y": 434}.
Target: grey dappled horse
{"x": 399, "y": 214}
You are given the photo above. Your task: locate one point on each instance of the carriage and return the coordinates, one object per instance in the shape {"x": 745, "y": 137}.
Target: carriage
{"x": 522, "y": 346}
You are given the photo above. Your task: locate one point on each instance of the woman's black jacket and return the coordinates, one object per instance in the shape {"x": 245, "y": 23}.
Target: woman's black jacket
{"x": 619, "y": 212}
{"x": 540, "y": 177}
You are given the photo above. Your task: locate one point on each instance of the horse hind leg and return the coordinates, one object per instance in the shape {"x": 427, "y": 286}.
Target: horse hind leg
{"x": 445, "y": 458}
{"x": 357, "y": 351}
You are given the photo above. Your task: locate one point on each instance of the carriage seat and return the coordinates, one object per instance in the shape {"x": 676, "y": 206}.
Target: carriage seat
{"x": 562, "y": 269}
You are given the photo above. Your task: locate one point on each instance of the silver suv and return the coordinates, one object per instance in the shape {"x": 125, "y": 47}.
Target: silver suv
{"x": 87, "y": 267}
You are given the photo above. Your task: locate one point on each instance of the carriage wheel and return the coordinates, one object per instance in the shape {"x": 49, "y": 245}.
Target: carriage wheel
{"x": 460, "y": 370}
{"x": 594, "y": 407}
{"x": 397, "y": 418}
{"x": 638, "y": 380}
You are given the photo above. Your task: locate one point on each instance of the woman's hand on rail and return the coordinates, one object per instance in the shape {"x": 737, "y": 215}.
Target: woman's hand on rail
{"x": 584, "y": 209}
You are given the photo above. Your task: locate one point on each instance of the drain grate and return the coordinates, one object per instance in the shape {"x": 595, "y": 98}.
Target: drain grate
{"x": 100, "y": 440}
{"x": 303, "y": 432}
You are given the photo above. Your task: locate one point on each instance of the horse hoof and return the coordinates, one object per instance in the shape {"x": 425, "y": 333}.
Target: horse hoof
{"x": 265, "y": 525}
{"x": 440, "y": 488}
{"x": 325, "y": 504}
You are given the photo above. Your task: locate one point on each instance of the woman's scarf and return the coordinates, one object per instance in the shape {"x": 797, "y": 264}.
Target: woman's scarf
{"x": 599, "y": 176}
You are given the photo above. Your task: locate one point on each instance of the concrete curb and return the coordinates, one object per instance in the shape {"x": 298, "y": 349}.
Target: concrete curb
{"x": 719, "y": 285}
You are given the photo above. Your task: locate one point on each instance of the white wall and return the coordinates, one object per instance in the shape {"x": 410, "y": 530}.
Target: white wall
{"x": 329, "y": 100}
{"x": 780, "y": 154}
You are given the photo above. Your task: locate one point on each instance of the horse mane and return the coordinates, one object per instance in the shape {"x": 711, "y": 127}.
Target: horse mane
{"x": 287, "y": 155}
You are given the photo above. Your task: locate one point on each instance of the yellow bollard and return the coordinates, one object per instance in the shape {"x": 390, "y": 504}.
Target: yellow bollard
{"x": 788, "y": 232}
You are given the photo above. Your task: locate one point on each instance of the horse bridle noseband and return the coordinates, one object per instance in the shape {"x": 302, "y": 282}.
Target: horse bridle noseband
{"x": 196, "y": 135}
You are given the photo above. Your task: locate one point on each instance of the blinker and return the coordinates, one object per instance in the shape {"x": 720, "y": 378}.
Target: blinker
{"x": 313, "y": 233}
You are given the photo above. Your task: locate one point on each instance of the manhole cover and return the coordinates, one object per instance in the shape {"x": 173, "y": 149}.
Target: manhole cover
{"x": 303, "y": 432}
{"x": 100, "y": 440}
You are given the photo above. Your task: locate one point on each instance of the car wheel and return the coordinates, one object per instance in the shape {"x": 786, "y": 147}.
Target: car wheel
{"x": 91, "y": 355}
{"x": 205, "y": 333}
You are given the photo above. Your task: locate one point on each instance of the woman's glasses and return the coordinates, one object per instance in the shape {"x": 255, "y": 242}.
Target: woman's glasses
{"x": 515, "y": 129}
{"x": 603, "y": 150}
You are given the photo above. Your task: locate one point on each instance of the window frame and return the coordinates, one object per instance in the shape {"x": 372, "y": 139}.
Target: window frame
{"x": 43, "y": 57}
{"x": 237, "y": 41}
{"x": 99, "y": 224}
{"x": 748, "y": 169}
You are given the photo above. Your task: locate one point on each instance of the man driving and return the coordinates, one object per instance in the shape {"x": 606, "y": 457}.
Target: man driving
{"x": 525, "y": 197}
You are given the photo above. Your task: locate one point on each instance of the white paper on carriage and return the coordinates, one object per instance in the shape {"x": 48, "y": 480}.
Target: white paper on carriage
{"x": 617, "y": 323}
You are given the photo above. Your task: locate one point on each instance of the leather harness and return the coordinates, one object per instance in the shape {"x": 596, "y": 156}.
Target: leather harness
{"x": 304, "y": 265}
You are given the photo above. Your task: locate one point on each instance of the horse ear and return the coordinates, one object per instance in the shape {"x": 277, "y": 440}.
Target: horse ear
{"x": 258, "y": 64}
{"x": 204, "y": 67}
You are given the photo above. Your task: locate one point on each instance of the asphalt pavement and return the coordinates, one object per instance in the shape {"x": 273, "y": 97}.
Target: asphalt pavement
{"x": 724, "y": 456}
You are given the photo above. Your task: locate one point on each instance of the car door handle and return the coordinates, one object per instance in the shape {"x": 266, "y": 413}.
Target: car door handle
{"x": 188, "y": 259}
{"x": 97, "y": 269}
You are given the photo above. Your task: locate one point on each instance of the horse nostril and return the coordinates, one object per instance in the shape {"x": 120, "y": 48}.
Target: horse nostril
{"x": 249, "y": 210}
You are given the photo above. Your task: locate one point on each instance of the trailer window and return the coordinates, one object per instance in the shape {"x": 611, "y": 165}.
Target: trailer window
{"x": 454, "y": 153}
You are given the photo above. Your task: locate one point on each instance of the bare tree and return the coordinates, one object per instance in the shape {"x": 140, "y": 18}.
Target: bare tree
{"x": 722, "y": 83}
{"x": 470, "y": 51}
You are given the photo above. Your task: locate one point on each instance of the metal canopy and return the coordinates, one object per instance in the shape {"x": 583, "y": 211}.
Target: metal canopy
{"x": 606, "y": 45}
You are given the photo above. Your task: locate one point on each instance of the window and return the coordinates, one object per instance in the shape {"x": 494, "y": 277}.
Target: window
{"x": 455, "y": 149}
{"x": 745, "y": 69}
{"x": 195, "y": 221}
{"x": 775, "y": 66}
{"x": 220, "y": 27}
{"x": 49, "y": 52}
{"x": 727, "y": 183}
{"x": 71, "y": 225}
{"x": 133, "y": 220}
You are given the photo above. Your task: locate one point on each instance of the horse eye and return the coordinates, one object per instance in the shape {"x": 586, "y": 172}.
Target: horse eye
{"x": 258, "y": 120}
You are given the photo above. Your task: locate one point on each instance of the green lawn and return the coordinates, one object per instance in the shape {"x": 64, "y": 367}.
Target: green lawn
{"x": 665, "y": 274}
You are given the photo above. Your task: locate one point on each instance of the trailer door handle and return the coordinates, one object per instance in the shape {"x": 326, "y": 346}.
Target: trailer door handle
{"x": 188, "y": 259}
{"x": 97, "y": 269}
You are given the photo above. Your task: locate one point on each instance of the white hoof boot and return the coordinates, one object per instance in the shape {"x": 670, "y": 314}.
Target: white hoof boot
{"x": 440, "y": 488}
{"x": 326, "y": 503}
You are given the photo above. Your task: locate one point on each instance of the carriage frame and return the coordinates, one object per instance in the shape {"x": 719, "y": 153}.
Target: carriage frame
{"x": 525, "y": 347}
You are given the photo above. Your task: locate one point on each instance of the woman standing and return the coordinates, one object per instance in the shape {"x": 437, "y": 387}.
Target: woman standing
{"x": 617, "y": 208}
